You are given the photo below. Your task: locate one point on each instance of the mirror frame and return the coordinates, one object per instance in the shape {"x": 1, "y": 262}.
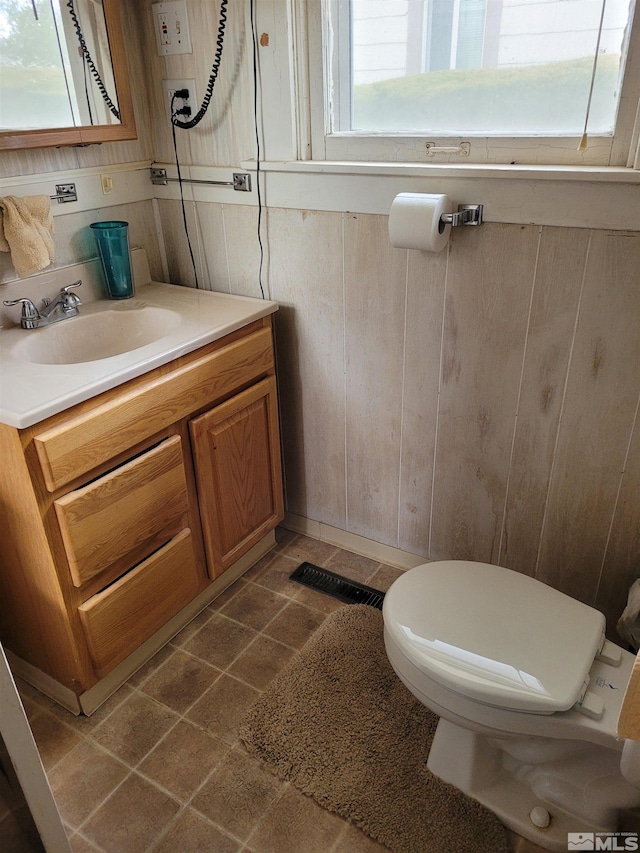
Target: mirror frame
{"x": 85, "y": 135}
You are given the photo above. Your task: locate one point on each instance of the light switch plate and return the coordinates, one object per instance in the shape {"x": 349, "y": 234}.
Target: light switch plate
{"x": 171, "y": 26}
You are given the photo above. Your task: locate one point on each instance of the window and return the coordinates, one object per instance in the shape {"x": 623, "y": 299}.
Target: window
{"x": 477, "y": 80}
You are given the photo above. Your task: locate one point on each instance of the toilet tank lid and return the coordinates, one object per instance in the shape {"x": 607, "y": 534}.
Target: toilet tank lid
{"x": 494, "y": 635}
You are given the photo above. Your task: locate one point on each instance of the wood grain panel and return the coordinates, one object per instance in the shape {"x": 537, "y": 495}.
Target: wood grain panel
{"x": 127, "y": 613}
{"x": 489, "y": 286}
{"x": 121, "y": 518}
{"x": 309, "y": 330}
{"x": 228, "y": 136}
{"x": 559, "y": 272}
{"x": 179, "y": 264}
{"x": 238, "y": 471}
{"x": 34, "y": 161}
{"x": 622, "y": 558}
{"x": 81, "y": 443}
{"x": 29, "y": 588}
{"x": 148, "y": 93}
{"x": 375, "y": 289}
{"x": 141, "y": 61}
{"x": 423, "y": 340}
{"x": 597, "y": 418}
{"x": 243, "y": 249}
{"x": 214, "y": 251}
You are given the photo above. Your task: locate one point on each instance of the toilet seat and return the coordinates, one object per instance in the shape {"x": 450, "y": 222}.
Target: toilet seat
{"x": 504, "y": 722}
{"x": 493, "y": 635}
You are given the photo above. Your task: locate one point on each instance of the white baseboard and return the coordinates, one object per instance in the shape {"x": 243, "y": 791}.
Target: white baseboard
{"x": 352, "y": 542}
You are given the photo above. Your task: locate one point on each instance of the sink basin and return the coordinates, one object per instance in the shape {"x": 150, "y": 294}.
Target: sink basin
{"x": 46, "y": 371}
{"x": 91, "y": 337}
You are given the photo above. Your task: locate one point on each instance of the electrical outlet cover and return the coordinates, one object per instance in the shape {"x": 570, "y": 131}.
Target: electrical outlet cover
{"x": 171, "y": 86}
{"x": 171, "y": 26}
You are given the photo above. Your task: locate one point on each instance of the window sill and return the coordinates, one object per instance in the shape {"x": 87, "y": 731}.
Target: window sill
{"x": 568, "y": 196}
{"x": 609, "y": 174}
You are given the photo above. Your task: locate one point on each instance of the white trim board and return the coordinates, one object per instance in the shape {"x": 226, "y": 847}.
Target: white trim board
{"x": 352, "y": 542}
{"x": 541, "y": 199}
{"x": 130, "y": 182}
{"x": 23, "y": 753}
{"x": 579, "y": 198}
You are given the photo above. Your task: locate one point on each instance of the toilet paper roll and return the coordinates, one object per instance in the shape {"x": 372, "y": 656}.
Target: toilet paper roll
{"x": 414, "y": 221}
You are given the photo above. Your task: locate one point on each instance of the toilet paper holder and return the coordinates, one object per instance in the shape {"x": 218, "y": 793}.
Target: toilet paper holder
{"x": 467, "y": 214}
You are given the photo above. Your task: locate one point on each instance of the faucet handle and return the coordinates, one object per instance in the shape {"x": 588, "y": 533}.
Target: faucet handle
{"x": 70, "y": 301}
{"x": 29, "y": 310}
{"x": 68, "y": 287}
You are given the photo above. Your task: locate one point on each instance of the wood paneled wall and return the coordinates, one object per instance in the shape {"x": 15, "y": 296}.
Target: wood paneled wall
{"x": 480, "y": 403}
{"x": 75, "y": 242}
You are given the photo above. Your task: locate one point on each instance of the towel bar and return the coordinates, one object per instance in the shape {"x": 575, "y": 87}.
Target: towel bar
{"x": 241, "y": 180}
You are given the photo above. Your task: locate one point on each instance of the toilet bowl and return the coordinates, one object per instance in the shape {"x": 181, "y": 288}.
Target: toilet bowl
{"x": 528, "y": 692}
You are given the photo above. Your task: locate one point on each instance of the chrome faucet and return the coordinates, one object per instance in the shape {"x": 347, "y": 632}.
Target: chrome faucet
{"x": 63, "y": 306}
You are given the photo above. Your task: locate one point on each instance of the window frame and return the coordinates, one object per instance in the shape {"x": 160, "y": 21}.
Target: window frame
{"x": 319, "y": 142}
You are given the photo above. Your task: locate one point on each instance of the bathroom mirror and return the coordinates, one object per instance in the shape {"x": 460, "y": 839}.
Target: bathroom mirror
{"x": 63, "y": 74}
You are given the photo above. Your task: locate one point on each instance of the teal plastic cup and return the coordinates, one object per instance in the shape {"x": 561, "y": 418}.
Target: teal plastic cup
{"x": 113, "y": 245}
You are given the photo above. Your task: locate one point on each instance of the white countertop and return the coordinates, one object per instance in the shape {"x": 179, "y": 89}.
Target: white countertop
{"x": 31, "y": 392}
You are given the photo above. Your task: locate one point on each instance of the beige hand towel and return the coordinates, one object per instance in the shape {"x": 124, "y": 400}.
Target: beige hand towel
{"x": 629, "y": 719}
{"x": 26, "y": 230}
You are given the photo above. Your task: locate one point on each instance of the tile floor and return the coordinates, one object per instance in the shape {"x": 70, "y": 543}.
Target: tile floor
{"x": 159, "y": 768}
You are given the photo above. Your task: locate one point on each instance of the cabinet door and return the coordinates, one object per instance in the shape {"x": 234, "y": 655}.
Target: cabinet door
{"x": 238, "y": 471}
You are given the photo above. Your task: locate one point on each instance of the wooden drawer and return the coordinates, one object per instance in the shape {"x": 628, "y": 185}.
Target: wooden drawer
{"x": 117, "y": 620}
{"x": 92, "y": 437}
{"x": 117, "y": 520}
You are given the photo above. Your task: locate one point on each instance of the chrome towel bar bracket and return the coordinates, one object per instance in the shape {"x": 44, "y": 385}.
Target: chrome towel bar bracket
{"x": 65, "y": 193}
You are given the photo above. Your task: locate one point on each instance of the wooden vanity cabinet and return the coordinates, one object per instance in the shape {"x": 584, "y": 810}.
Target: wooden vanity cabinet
{"x": 120, "y": 511}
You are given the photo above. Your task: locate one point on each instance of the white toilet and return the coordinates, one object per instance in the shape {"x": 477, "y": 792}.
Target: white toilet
{"x": 528, "y": 691}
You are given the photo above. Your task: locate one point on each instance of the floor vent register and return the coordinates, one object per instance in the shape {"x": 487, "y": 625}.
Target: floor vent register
{"x": 351, "y": 592}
